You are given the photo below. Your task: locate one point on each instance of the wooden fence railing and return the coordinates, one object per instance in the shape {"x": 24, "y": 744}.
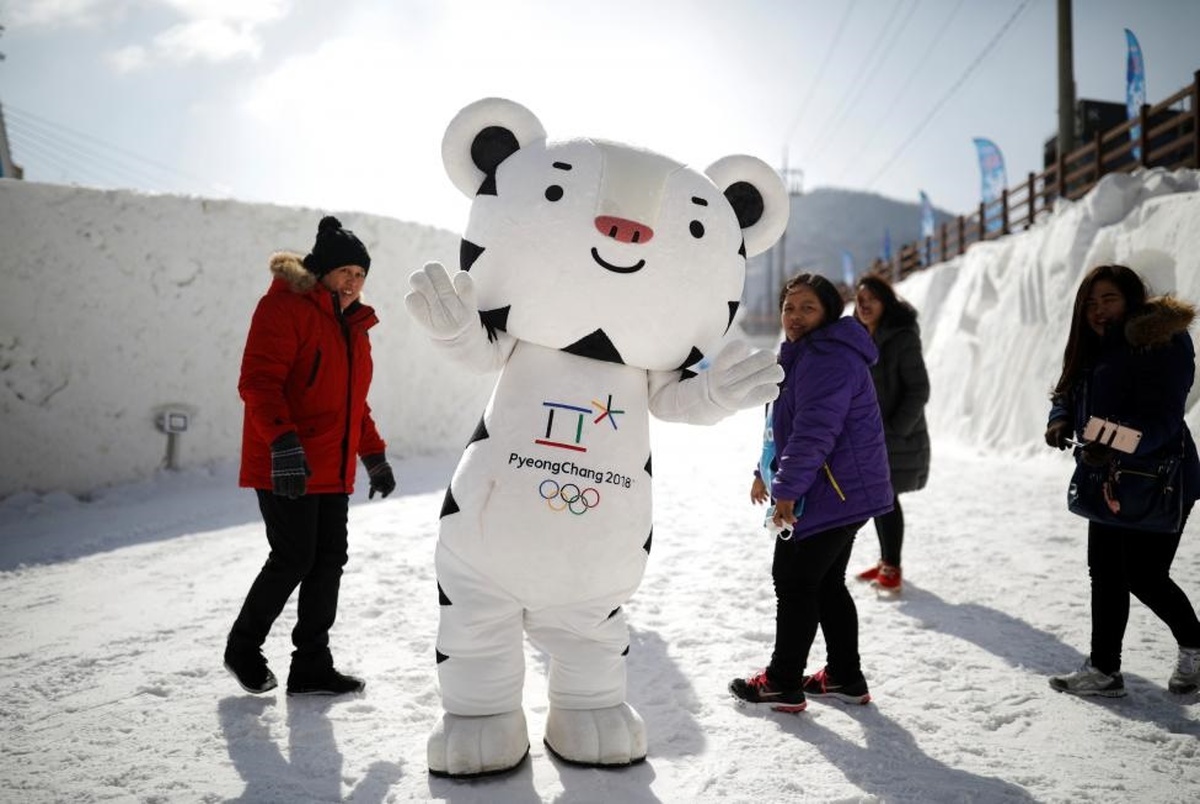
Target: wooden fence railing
{"x": 1169, "y": 137}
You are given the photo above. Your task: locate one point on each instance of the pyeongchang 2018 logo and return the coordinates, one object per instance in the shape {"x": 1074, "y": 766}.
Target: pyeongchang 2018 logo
{"x": 566, "y": 427}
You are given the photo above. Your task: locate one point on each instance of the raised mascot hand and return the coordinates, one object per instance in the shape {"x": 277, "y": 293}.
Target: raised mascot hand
{"x": 741, "y": 377}
{"x": 445, "y": 308}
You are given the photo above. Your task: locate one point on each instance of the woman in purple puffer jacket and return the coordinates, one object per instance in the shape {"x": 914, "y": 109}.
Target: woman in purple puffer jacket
{"x": 830, "y": 476}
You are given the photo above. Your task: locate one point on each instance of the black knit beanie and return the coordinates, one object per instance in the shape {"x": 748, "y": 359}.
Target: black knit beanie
{"x": 334, "y": 248}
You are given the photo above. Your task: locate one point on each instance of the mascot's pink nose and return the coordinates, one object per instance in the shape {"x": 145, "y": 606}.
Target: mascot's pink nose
{"x": 622, "y": 230}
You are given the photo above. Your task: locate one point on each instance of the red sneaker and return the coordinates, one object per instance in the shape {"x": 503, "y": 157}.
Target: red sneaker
{"x": 820, "y": 685}
{"x": 888, "y": 579}
{"x": 871, "y": 573}
{"x": 757, "y": 691}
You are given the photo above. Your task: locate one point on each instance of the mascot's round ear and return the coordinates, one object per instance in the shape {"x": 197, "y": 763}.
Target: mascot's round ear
{"x": 758, "y": 197}
{"x": 481, "y": 136}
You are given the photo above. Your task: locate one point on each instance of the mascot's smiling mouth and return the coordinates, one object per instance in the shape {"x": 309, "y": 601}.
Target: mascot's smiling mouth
{"x": 617, "y": 269}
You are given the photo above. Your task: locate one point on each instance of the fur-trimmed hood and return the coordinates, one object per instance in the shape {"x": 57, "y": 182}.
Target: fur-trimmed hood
{"x": 290, "y": 268}
{"x": 1158, "y": 321}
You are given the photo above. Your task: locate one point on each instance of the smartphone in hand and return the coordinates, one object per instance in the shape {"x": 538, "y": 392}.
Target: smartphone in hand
{"x": 1110, "y": 434}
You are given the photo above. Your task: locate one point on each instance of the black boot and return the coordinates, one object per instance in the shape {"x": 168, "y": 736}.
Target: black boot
{"x": 250, "y": 669}
{"x": 323, "y": 682}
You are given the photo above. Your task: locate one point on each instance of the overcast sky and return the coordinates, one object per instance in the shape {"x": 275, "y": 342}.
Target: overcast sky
{"x": 341, "y": 106}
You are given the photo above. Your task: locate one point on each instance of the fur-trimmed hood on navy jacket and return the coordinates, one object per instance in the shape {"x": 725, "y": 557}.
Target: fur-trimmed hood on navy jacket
{"x": 1159, "y": 320}
{"x": 1141, "y": 377}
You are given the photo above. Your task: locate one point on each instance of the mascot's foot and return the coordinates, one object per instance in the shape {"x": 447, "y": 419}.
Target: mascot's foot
{"x": 463, "y": 747}
{"x": 604, "y": 738}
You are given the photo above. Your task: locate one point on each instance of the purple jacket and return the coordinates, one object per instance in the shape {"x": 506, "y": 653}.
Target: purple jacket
{"x": 827, "y": 414}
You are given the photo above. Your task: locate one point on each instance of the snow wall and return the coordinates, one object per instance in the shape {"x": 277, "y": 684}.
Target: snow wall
{"x": 117, "y": 304}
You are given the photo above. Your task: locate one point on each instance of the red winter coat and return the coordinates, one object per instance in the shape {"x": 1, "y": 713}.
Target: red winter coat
{"x": 306, "y": 368}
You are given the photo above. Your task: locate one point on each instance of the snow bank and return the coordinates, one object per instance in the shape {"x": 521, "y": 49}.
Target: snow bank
{"x": 994, "y": 321}
{"x": 117, "y": 303}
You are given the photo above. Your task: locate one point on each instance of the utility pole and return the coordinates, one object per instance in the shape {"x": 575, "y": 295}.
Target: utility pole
{"x": 793, "y": 179}
{"x": 1066, "y": 82}
{"x": 8, "y": 170}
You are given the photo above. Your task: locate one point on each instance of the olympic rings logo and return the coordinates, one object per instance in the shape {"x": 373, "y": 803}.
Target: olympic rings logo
{"x": 568, "y": 497}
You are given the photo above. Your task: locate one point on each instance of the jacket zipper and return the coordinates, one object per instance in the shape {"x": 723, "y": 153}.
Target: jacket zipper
{"x": 832, "y": 482}
{"x": 349, "y": 389}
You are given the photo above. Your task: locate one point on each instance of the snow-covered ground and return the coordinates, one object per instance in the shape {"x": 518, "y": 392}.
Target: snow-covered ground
{"x": 115, "y": 612}
{"x": 114, "y": 605}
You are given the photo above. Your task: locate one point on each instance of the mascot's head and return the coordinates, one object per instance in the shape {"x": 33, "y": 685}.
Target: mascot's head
{"x": 602, "y": 249}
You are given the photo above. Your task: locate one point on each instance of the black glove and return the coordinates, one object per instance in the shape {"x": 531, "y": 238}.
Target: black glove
{"x": 380, "y": 471}
{"x": 1095, "y": 454}
{"x": 289, "y": 469}
{"x": 1057, "y": 433}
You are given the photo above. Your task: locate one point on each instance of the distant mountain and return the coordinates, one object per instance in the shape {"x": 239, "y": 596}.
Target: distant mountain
{"x": 824, "y": 222}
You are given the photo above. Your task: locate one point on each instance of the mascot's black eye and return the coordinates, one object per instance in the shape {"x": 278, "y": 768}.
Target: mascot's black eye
{"x": 554, "y": 192}
{"x": 697, "y": 229}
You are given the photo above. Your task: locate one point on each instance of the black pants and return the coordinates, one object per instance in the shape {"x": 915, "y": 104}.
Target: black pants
{"x": 810, "y": 591}
{"x": 1123, "y": 562}
{"x": 308, "y": 549}
{"x": 890, "y": 528}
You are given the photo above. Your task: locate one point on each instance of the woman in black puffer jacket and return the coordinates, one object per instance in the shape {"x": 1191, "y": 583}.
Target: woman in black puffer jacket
{"x": 902, "y": 385}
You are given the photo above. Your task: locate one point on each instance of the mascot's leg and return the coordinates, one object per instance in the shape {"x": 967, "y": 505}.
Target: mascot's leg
{"x": 589, "y": 722}
{"x": 481, "y": 668}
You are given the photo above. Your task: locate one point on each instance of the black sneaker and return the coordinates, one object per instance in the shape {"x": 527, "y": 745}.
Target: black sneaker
{"x": 250, "y": 670}
{"x": 820, "y": 685}
{"x": 326, "y": 682}
{"x": 757, "y": 690}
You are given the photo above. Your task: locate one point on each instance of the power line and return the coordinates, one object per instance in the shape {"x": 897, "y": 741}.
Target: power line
{"x": 60, "y": 144}
{"x": 877, "y": 58}
{"x": 75, "y": 158}
{"x": 891, "y": 160}
{"x": 812, "y": 87}
{"x": 874, "y": 129}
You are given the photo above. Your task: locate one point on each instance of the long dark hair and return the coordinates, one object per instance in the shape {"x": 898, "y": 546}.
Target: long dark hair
{"x": 1082, "y": 343}
{"x": 827, "y": 293}
{"x": 895, "y": 309}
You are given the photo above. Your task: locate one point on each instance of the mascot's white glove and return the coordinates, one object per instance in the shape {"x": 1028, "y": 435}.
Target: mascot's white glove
{"x": 445, "y": 309}
{"x": 741, "y": 377}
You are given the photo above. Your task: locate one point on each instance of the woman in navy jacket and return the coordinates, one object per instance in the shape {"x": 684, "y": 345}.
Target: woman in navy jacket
{"x": 1129, "y": 360}
{"x": 831, "y": 476}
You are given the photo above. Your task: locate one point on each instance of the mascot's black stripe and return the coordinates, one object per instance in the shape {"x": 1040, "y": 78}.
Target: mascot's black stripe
{"x": 733, "y": 308}
{"x": 449, "y": 504}
{"x": 649, "y": 539}
{"x": 442, "y": 599}
{"x": 597, "y": 346}
{"x": 480, "y": 433}
{"x": 441, "y": 657}
{"x": 495, "y": 321}
{"x": 468, "y": 252}
{"x": 694, "y": 357}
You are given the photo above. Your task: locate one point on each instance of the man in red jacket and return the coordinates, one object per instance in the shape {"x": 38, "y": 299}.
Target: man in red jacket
{"x": 305, "y": 374}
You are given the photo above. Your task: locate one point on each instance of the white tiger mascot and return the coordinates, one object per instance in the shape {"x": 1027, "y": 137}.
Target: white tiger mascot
{"x": 593, "y": 275}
